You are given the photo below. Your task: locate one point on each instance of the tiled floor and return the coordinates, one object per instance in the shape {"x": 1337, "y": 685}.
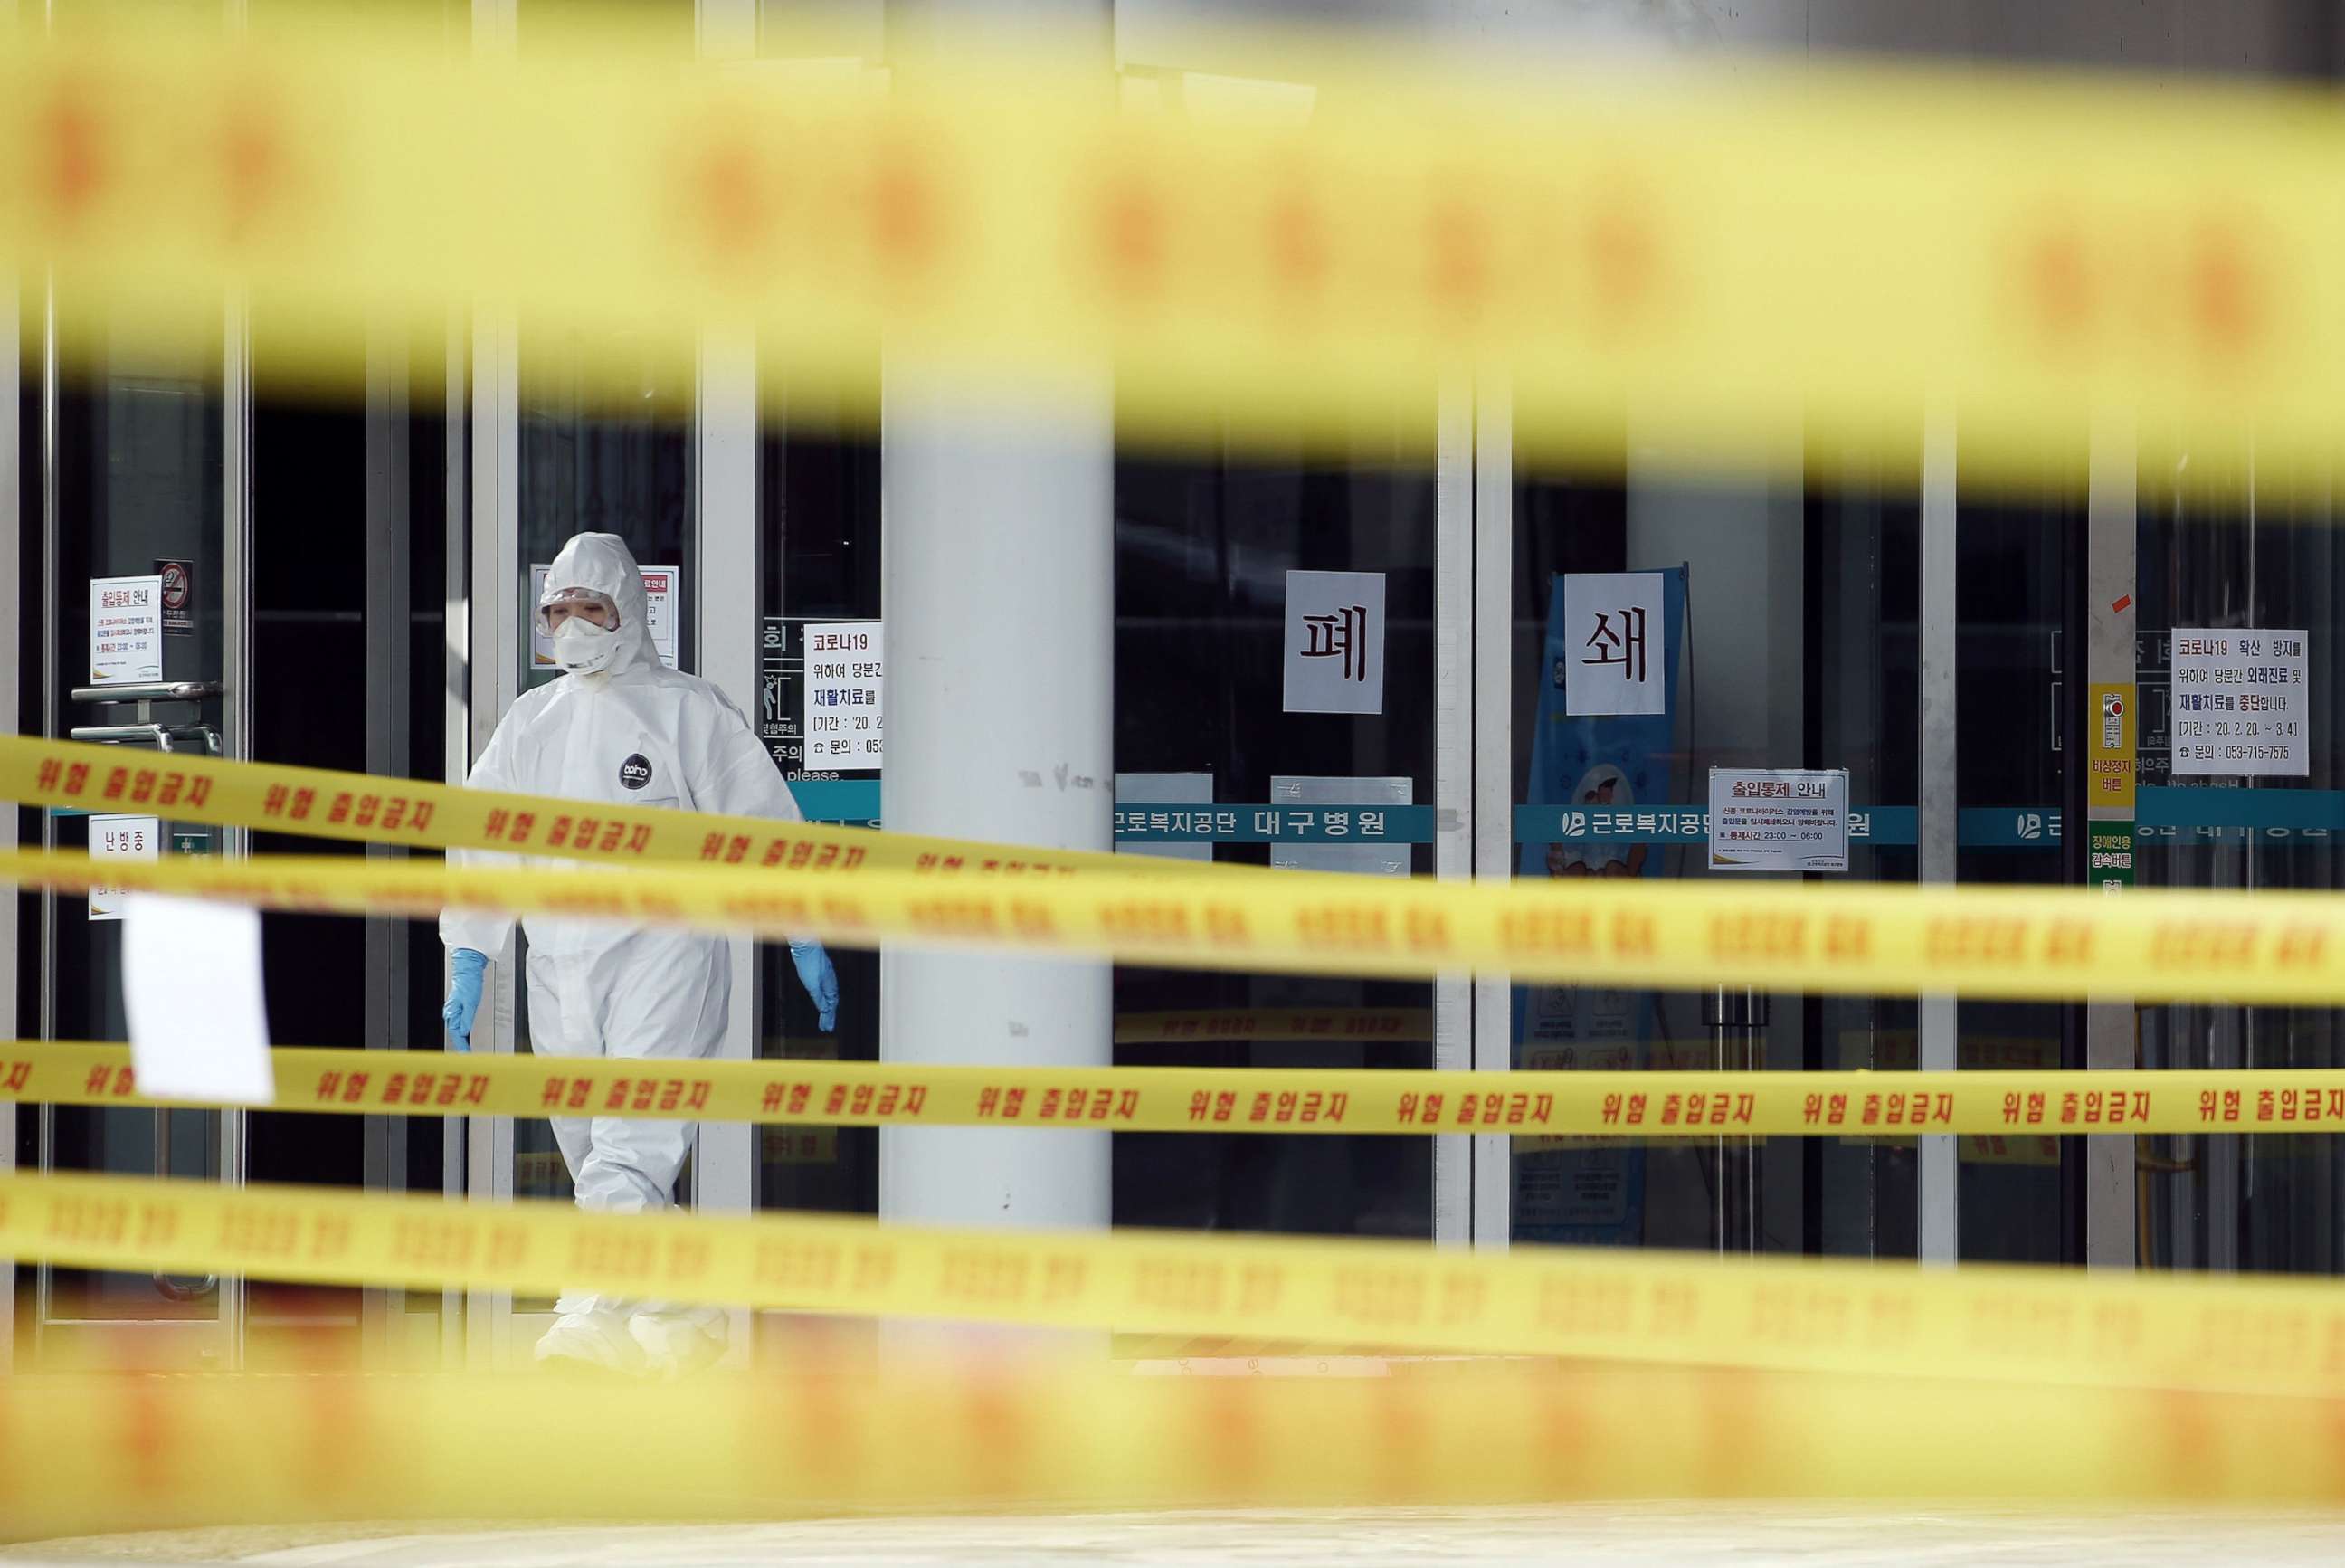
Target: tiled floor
{"x": 1808, "y": 1536}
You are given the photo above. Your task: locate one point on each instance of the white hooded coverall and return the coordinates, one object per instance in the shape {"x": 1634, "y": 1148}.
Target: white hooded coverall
{"x": 637, "y": 734}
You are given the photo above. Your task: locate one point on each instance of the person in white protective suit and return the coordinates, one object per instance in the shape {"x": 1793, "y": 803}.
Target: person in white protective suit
{"x": 623, "y": 728}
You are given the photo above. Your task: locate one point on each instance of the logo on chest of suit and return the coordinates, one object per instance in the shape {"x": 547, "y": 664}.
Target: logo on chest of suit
{"x": 634, "y": 773}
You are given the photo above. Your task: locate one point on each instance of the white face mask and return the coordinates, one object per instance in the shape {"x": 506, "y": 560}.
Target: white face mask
{"x": 581, "y": 647}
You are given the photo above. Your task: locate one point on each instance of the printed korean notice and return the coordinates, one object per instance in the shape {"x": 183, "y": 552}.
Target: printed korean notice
{"x": 663, "y": 593}
{"x": 126, "y": 630}
{"x": 1615, "y": 642}
{"x": 1778, "y": 820}
{"x": 2241, "y": 706}
{"x": 844, "y": 688}
{"x": 117, "y": 838}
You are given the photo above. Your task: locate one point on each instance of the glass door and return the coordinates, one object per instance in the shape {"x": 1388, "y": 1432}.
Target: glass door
{"x": 1647, "y": 639}
{"x": 1278, "y": 702}
{"x": 140, "y": 645}
{"x": 567, "y": 452}
{"x": 2242, "y": 786}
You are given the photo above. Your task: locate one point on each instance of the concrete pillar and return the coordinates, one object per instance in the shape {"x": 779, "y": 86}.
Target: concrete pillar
{"x": 999, "y": 522}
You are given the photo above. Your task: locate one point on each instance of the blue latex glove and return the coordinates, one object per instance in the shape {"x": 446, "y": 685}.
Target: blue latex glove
{"x": 465, "y": 968}
{"x": 820, "y": 981}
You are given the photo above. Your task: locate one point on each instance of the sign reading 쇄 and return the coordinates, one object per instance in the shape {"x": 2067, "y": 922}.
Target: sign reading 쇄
{"x": 845, "y": 692}
{"x": 1335, "y": 642}
{"x": 1614, "y": 643}
{"x": 1778, "y": 820}
{"x": 125, "y": 629}
{"x": 2241, "y": 706}
{"x": 115, "y": 838}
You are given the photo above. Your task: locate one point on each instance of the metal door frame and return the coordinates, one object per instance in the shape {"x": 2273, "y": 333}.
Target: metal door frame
{"x": 220, "y": 1339}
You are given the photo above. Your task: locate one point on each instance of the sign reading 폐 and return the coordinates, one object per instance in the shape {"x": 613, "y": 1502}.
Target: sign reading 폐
{"x": 1335, "y": 642}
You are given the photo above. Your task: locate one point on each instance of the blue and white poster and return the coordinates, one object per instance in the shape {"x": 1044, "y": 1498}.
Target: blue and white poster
{"x": 1606, "y": 740}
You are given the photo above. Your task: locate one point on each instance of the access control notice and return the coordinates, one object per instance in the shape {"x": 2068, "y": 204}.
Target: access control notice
{"x": 1778, "y": 820}
{"x": 2241, "y": 707}
{"x": 125, "y": 629}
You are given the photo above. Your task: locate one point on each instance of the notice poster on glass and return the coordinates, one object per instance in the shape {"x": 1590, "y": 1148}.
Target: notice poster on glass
{"x": 1611, "y": 621}
{"x": 845, "y": 695}
{"x": 1335, "y": 659}
{"x": 1778, "y": 820}
{"x": 126, "y": 630}
{"x": 2241, "y": 704}
{"x": 661, "y": 595}
{"x": 118, "y": 838}
{"x": 662, "y": 598}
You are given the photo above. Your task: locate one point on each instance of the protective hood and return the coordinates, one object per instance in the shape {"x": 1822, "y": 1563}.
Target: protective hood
{"x": 603, "y": 564}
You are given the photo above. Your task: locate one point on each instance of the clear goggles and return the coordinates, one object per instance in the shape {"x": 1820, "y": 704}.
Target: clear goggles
{"x": 575, "y": 601}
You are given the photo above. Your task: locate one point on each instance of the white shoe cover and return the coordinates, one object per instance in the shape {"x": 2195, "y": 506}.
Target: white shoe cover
{"x": 675, "y": 1348}
{"x": 595, "y": 1338}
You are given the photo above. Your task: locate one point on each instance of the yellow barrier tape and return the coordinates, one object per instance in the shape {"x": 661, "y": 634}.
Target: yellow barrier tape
{"x": 2266, "y": 1334}
{"x": 1588, "y": 1105}
{"x": 414, "y": 813}
{"x": 88, "y": 1453}
{"x": 1712, "y": 249}
{"x": 1877, "y": 939}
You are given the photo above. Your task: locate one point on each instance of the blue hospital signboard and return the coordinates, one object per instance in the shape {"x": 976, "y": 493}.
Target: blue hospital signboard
{"x": 1142, "y": 822}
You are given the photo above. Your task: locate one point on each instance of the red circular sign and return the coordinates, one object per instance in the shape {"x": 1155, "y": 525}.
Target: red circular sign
{"x": 175, "y": 586}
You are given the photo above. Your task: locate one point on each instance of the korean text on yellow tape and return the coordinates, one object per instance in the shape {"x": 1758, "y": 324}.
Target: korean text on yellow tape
{"x": 1711, "y": 248}
{"x": 2055, "y": 942}
{"x": 1593, "y": 1105}
{"x": 418, "y": 814}
{"x": 2275, "y": 1335}
{"x": 91, "y": 1454}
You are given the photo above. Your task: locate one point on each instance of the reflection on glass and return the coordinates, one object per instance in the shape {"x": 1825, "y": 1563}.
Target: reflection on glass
{"x": 2011, "y": 583}
{"x": 2224, "y": 546}
{"x": 139, "y": 483}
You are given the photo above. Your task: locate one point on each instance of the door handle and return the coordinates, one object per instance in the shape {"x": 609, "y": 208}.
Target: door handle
{"x": 161, "y": 737}
{"x": 147, "y": 691}
{"x": 167, "y": 1285}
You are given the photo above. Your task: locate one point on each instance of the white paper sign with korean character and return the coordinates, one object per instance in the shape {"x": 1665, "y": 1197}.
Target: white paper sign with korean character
{"x": 2241, "y": 704}
{"x": 846, "y": 689}
{"x": 1615, "y": 643}
{"x": 115, "y": 838}
{"x": 1778, "y": 820}
{"x": 125, "y": 629}
{"x": 1335, "y": 642}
